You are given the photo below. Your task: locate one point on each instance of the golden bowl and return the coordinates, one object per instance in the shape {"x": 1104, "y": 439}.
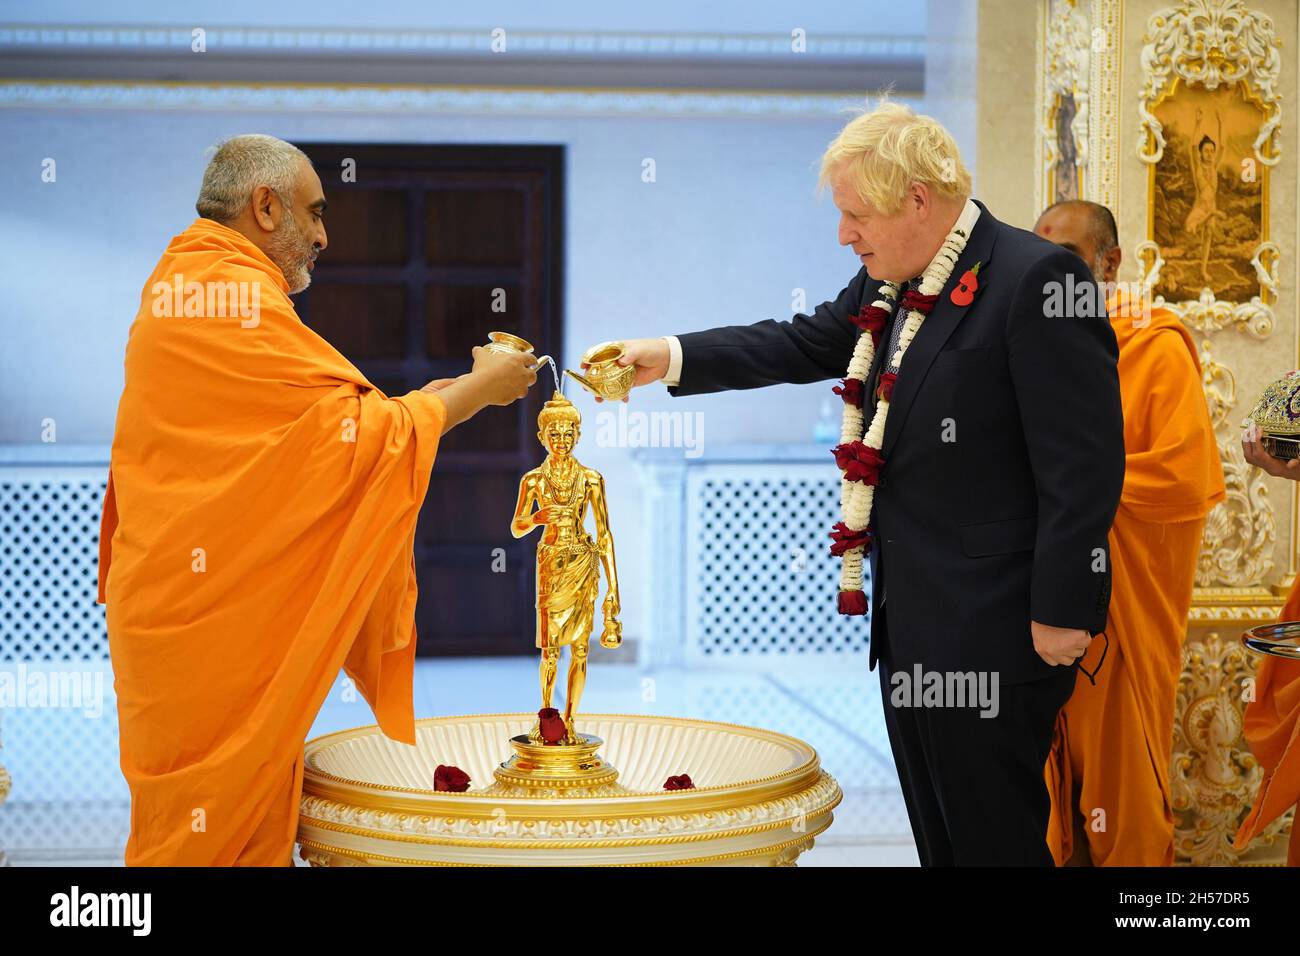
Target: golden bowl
{"x": 760, "y": 798}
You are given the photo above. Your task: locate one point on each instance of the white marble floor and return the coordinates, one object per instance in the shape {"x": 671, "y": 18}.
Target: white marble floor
{"x": 70, "y": 806}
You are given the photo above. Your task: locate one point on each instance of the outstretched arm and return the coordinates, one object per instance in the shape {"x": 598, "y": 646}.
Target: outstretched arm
{"x": 807, "y": 348}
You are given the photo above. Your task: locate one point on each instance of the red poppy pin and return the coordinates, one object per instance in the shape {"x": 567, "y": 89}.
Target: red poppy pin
{"x": 964, "y": 293}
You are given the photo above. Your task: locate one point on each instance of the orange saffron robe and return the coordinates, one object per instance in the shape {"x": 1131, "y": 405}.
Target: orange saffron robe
{"x": 1113, "y": 741}
{"x": 1272, "y": 728}
{"x": 257, "y": 535}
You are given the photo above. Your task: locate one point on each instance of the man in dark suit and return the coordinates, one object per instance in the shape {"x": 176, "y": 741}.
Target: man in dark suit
{"x": 1003, "y": 462}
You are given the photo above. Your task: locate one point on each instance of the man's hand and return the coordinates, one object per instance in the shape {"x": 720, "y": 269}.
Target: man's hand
{"x": 1059, "y": 645}
{"x": 505, "y": 377}
{"x": 496, "y": 379}
{"x": 650, "y": 356}
{"x": 1257, "y": 456}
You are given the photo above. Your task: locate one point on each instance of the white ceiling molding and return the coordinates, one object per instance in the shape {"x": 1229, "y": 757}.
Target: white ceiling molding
{"x": 824, "y": 63}
{"x": 195, "y": 96}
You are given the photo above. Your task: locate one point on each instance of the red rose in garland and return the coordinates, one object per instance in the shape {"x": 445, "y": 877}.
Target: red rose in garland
{"x": 851, "y": 391}
{"x": 680, "y": 782}
{"x": 846, "y": 539}
{"x": 859, "y": 462}
{"x": 885, "y": 388}
{"x": 852, "y": 603}
{"x": 872, "y": 319}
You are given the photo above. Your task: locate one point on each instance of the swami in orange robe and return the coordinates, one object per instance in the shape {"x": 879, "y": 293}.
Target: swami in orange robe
{"x": 1272, "y": 728}
{"x": 1109, "y": 764}
{"x": 257, "y": 536}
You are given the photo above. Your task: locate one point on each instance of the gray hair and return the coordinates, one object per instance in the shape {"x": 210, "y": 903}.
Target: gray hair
{"x": 239, "y": 166}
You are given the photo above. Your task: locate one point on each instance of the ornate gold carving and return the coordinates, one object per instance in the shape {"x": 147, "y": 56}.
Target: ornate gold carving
{"x": 1237, "y": 543}
{"x": 503, "y": 831}
{"x": 1102, "y": 173}
{"x": 1211, "y": 43}
{"x": 1213, "y": 774}
{"x": 1065, "y": 81}
{"x": 1207, "y": 313}
{"x": 318, "y": 854}
{"x": 1242, "y": 606}
{"x": 1207, "y": 763}
{"x": 1079, "y": 66}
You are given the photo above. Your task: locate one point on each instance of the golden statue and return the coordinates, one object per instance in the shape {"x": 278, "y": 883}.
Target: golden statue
{"x": 568, "y": 560}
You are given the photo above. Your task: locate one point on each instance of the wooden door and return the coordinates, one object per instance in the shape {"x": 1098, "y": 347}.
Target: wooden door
{"x": 430, "y": 249}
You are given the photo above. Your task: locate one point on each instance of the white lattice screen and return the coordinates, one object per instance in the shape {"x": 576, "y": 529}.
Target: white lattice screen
{"x": 760, "y": 580}
{"x": 69, "y": 797}
{"x": 49, "y": 560}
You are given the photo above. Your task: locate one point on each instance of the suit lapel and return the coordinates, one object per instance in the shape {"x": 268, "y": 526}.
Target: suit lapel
{"x": 937, "y": 327}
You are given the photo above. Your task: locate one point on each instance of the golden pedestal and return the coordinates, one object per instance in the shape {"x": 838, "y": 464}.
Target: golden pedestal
{"x": 760, "y": 797}
{"x": 555, "y": 770}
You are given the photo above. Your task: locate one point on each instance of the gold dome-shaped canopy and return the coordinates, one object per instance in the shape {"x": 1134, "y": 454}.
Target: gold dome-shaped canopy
{"x": 1278, "y": 409}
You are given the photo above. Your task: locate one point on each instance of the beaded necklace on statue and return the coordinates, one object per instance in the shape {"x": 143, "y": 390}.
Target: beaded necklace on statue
{"x": 562, "y": 493}
{"x": 858, "y": 454}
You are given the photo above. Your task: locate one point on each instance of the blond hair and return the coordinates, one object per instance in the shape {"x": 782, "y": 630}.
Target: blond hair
{"x": 889, "y": 148}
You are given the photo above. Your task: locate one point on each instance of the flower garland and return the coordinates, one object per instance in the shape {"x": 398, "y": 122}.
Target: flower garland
{"x": 858, "y": 454}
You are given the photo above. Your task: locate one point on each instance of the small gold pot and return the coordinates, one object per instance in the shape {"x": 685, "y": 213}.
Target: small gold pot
{"x": 605, "y": 378}
{"x": 505, "y": 342}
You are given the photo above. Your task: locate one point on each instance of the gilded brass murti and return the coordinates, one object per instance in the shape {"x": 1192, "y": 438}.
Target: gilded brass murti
{"x": 569, "y": 565}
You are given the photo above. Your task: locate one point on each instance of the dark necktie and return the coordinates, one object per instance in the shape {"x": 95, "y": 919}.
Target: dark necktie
{"x": 896, "y": 328}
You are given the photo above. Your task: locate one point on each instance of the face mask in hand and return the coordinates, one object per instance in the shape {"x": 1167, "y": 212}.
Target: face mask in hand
{"x": 1079, "y": 663}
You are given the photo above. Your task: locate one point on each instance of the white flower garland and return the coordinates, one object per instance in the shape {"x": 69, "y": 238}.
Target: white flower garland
{"x": 856, "y": 496}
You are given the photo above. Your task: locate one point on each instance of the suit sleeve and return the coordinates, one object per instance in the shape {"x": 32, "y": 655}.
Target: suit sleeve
{"x": 1064, "y": 371}
{"x": 808, "y": 348}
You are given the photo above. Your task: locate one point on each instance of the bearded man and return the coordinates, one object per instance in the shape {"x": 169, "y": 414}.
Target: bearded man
{"x": 981, "y": 461}
{"x": 259, "y": 521}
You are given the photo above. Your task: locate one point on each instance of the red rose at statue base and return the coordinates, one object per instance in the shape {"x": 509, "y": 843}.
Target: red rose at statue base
{"x": 551, "y": 725}
{"x": 450, "y": 779}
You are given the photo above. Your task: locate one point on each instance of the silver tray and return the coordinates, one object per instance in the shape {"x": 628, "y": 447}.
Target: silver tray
{"x": 1276, "y": 640}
